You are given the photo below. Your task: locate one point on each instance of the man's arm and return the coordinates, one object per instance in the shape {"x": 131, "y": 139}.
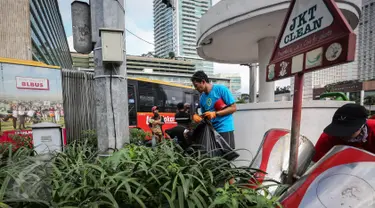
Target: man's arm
{"x": 228, "y": 99}
{"x": 227, "y": 111}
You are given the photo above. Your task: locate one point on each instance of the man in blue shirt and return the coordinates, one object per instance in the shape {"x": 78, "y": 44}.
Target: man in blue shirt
{"x": 217, "y": 104}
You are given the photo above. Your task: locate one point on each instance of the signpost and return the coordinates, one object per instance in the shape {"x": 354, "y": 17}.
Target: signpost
{"x": 315, "y": 35}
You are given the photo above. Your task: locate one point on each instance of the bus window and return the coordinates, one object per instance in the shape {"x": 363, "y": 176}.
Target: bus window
{"x": 160, "y": 96}
{"x": 189, "y": 100}
{"x": 132, "y": 106}
{"x": 146, "y": 97}
{"x": 196, "y": 102}
{"x": 174, "y": 96}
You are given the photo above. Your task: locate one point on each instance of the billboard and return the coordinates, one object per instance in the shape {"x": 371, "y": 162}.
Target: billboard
{"x": 29, "y": 95}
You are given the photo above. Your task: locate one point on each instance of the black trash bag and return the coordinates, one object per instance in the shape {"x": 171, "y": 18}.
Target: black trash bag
{"x": 208, "y": 141}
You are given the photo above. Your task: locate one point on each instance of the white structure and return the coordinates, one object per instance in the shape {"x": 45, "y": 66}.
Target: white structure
{"x": 366, "y": 41}
{"x": 252, "y": 121}
{"x": 244, "y": 31}
{"x": 47, "y": 138}
{"x": 175, "y": 30}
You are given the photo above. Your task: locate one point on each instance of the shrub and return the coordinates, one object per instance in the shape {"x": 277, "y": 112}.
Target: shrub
{"x": 138, "y": 136}
{"x": 135, "y": 176}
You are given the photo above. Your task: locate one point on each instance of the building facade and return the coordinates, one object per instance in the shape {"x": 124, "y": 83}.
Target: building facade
{"x": 169, "y": 70}
{"x": 40, "y": 36}
{"x": 366, "y": 41}
{"x": 235, "y": 83}
{"x": 175, "y": 30}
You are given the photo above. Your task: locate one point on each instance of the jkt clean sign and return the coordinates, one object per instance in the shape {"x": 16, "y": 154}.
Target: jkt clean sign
{"x": 304, "y": 22}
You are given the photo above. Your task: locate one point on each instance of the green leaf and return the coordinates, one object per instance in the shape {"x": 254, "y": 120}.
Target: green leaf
{"x": 181, "y": 198}
{"x": 4, "y": 187}
{"x": 219, "y": 200}
{"x": 169, "y": 199}
{"x": 2, "y": 205}
{"x": 185, "y": 185}
{"x": 198, "y": 199}
{"x": 234, "y": 203}
{"x": 109, "y": 196}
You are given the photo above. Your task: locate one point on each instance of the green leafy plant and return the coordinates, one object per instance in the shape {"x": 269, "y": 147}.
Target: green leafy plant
{"x": 90, "y": 137}
{"x": 138, "y": 136}
{"x": 135, "y": 176}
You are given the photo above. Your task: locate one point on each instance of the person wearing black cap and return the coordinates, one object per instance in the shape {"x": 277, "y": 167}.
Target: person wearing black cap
{"x": 182, "y": 117}
{"x": 350, "y": 127}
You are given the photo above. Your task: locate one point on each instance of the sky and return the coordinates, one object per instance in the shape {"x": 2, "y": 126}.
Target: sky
{"x": 139, "y": 20}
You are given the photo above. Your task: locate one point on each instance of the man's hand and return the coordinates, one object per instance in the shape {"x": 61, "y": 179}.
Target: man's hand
{"x": 210, "y": 115}
{"x": 197, "y": 118}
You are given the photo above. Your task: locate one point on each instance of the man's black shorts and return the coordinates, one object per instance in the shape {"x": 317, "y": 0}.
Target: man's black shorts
{"x": 229, "y": 138}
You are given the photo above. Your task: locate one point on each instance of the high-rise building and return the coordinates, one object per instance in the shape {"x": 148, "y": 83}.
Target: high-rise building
{"x": 33, "y": 30}
{"x": 366, "y": 43}
{"x": 175, "y": 30}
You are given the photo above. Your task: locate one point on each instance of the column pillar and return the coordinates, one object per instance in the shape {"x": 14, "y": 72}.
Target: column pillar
{"x": 252, "y": 84}
{"x": 362, "y": 97}
{"x": 266, "y": 89}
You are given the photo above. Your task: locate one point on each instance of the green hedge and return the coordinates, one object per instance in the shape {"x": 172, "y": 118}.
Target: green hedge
{"x": 135, "y": 176}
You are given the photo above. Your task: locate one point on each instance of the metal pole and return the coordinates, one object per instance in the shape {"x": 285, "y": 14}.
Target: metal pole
{"x": 111, "y": 91}
{"x": 296, "y": 123}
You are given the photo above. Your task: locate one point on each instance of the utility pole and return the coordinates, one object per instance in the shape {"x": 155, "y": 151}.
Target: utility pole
{"x": 106, "y": 23}
{"x": 111, "y": 88}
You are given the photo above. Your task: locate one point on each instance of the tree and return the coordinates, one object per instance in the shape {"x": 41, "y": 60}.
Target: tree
{"x": 245, "y": 96}
{"x": 282, "y": 90}
{"x": 241, "y": 101}
{"x": 148, "y": 54}
{"x": 171, "y": 55}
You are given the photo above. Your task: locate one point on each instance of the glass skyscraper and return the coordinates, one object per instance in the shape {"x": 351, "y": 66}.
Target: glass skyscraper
{"x": 175, "y": 30}
{"x": 49, "y": 43}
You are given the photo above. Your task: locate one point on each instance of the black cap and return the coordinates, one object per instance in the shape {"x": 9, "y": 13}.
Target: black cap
{"x": 347, "y": 120}
{"x": 180, "y": 106}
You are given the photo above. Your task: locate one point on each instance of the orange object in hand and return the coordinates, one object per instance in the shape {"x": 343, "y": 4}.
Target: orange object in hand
{"x": 197, "y": 118}
{"x": 210, "y": 115}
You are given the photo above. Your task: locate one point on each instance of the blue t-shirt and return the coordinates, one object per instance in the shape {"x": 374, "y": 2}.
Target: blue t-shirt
{"x": 207, "y": 103}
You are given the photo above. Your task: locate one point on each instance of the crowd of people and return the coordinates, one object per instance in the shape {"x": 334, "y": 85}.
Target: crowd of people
{"x": 21, "y": 113}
